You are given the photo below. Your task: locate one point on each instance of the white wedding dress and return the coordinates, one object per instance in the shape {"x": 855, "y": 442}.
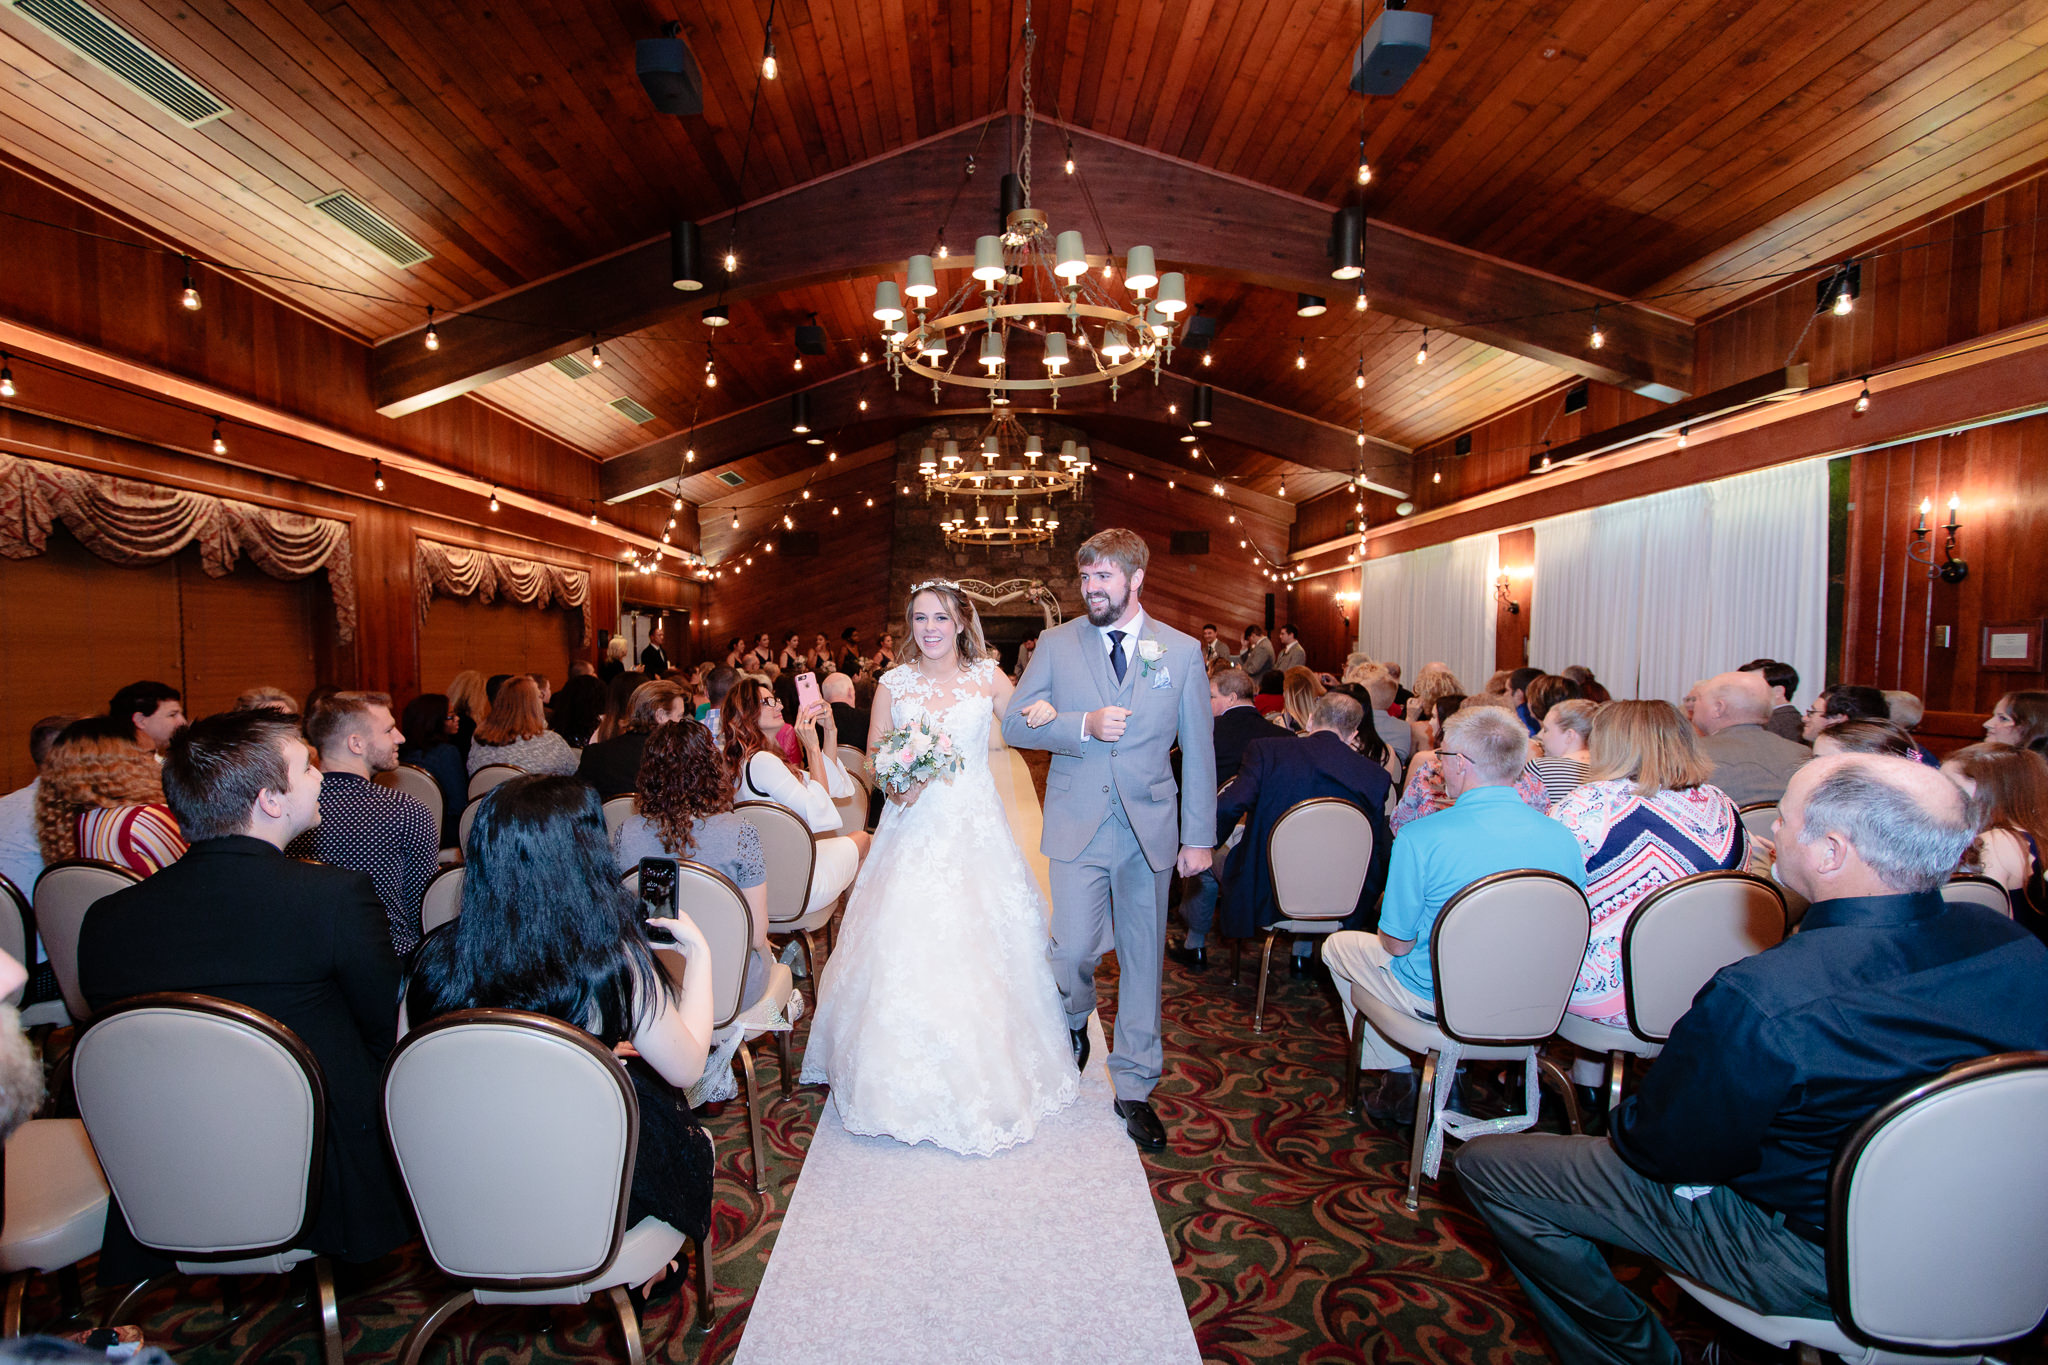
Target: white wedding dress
{"x": 938, "y": 1020}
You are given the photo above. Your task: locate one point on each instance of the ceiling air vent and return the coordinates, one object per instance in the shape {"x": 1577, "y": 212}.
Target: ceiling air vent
{"x": 571, "y": 366}
{"x": 373, "y": 228}
{"x": 113, "y": 49}
{"x": 626, "y": 407}
{"x": 731, "y": 478}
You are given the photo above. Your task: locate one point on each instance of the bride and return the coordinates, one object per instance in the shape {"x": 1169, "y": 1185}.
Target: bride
{"x": 938, "y": 1020}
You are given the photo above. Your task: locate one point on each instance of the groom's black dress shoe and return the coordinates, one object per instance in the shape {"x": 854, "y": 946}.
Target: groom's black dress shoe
{"x": 1142, "y": 1124}
{"x": 1080, "y": 1040}
{"x": 1197, "y": 958}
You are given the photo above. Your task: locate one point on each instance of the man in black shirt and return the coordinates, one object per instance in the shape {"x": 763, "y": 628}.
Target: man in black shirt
{"x": 1718, "y": 1165}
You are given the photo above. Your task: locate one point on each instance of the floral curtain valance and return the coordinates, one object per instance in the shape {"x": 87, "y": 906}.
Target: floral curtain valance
{"x": 461, "y": 571}
{"x": 127, "y": 522}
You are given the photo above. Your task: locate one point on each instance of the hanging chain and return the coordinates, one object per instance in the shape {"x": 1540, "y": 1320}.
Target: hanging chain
{"x": 1030, "y": 46}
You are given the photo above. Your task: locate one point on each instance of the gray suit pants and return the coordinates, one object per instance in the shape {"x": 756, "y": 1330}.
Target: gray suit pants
{"x": 1551, "y": 1201}
{"x": 1110, "y": 896}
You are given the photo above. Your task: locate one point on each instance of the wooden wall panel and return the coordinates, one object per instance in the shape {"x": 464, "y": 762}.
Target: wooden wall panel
{"x": 245, "y": 630}
{"x": 1511, "y": 628}
{"x": 495, "y": 637}
{"x": 1186, "y": 591}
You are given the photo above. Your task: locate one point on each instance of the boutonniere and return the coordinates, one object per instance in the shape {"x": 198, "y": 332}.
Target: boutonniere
{"x": 1150, "y": 652}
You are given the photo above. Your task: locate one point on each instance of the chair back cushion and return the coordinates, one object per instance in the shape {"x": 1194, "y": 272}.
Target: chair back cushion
{"x": 1758, "y": 817}
{"x": 15, "y": 917}
{"x": 64, "y": 892}
{"x": 489, "y": 776}
{"x": 1506, "y": 951}
{"x": 722, "y": 914}
{"x": 208, "y": 1118}
{"x": 787, "y": 847}
{"x": 1974, "y": 890}
{"x": 463, "y": 824}
{"x": 525, "y": 1204}
{"x": 1683, "y": 933}
{"x": 417, "y": 783}
{"x": 443, "y": 899}
{"x": 616, "y": 811}
{"x": 1320, "y": 851}
{"x": 1935, "y": 1211}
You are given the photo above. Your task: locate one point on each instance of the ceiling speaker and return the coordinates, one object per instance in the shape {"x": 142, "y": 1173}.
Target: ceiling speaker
{"x": 669, "y": 73}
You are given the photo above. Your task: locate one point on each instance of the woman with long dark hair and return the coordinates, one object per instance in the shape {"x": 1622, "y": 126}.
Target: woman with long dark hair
{"x": 547, "y": 927}
{"x": 2013, "y": 784}
{"x": 579, "y": 710}
{"x": 429, "y": 727}
{"x": 2020, "y": 721}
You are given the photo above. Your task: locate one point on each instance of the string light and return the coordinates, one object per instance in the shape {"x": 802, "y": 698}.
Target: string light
{"x": 1599, "y": 338}
{"x": 807, "y": 495}
{"x": 1283, "y": 485}
{"x": 769, "y": 70}
{"x": 1360, "y": 380}
{"x": 735, "y": 521}
{"x": 220, "y": 445}
{"x": 1862, "y": 399}
{"x": 871, "y": 502}
{"x": 190, "y": 298}
{"x": 1362, "y": 302}
{"x": 593, "y": 511}
{"x": 1301, "y": 356}
{"x": 1684, "y": 435}
{"x": 798, "y": 364}
{"x": 1422, "y": 351}
{"x": 677, "y": 505}
{"x": 863, "y": 403}
{"x": 6, "y": 377}
{"x": 377, "y": 466}
{"x": 1437, "y": 477}
{"x": 835, "y": 511}
{"x": 596, "y": 357}
{"x": 433, "y": 335}
{"x": 863, "y": 360}
{"x": 1364, "y": 166}
{"x": 1205, "y": 357}
{"x": 732, "y": 263}
{"x": 494, "y": 497}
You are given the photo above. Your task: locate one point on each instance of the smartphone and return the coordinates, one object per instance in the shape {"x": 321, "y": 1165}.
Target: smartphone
{"x": 807, "y": 691}
{"x": 658, "y": 894}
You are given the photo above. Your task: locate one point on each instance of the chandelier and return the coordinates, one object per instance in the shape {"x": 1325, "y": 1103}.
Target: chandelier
{"x": 1034, "y": 315}
{"x": 1004, "y": 492}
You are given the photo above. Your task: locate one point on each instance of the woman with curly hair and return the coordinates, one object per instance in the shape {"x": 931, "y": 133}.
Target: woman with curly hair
{"x": 750, "y": 722}
{"x": 684, "y": 810}
{"x": 101, "y": 797}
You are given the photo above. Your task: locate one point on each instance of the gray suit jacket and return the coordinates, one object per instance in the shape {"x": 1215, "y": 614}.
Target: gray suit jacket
{"x": 1751, "y": 764}
{"x": 1169, "y": 702}
{"x": 1257, "y": 659}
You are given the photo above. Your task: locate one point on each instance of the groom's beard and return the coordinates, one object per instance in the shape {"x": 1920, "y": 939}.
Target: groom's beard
{"x": 1103, "y": 610}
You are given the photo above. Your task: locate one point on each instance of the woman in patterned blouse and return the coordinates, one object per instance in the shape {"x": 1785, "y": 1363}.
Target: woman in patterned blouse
{"x": 1425, "y": 794}
{"x": 1645, "y": 817}
{"x": 101, "y": 797}
{"x": 516, "y": 732}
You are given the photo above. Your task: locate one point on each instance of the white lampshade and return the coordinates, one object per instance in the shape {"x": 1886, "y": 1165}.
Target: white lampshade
{"x": 1034, "y": 449}
{"x": 992, "y": 346}
{"x": 952, "y": 453}
{"x": 888, "y": 303}
{"x": 1066, "y": 452}
{"x": 932, "y": 343}
{"x": 1139, "y": 270}
{"x": 1115, "y": 344}
{"x": 1055, "y": 351}
{"x": 1157, "y": 322}
{"x": 922, "y": 283}
{"x": 1070, "y": 257}
{"x": 990, "y": 448}
{"x": 1173, "y": 293}
{"x": 988, "y": 259}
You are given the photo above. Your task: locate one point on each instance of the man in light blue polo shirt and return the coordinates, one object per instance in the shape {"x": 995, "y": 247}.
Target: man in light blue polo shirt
{"x": 1487, "y": 829}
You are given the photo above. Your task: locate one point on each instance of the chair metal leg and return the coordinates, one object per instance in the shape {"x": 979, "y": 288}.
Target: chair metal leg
{"x": 1357, "y": 1054}
{"x": 1265, "y": 968}
{"x": 330, "y": 1310}
{"x": 1557, "y": 1076}
{"x": 746, "y": 1060}
{"x": 10, "y": 1315}
{"x": 1236, "y": 953}
{"x": 629, "y": 1323}
{"x": 1425, "y": 1110}
{"x": 1617, "y": 1068}
{"x": 70, "y": 1294}
{"x": 130, "y": 1299}
{"x": 814, "y": 957}
{"x": 782, "y": 1056}
{"x": 437, "y": 1317}
{"x": 705, "y": 1287}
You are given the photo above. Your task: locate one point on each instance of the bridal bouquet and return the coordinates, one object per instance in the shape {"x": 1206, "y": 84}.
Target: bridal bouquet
{"x": 914, "y": 754}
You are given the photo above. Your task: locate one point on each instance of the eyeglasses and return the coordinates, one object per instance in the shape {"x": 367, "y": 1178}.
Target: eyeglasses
{"x": 1449, "y": 753}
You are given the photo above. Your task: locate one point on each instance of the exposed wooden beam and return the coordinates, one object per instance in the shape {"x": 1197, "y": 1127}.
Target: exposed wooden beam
{"x": 834, "y": 404}
{"x": 853, "y": 223}
{"x": 1774, "y": 387}
{"x": 1119, "y": 457}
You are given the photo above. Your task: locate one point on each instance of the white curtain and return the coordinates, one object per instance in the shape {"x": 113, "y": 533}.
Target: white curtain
{"x": 1433, "y": 603}
{"x": 1656, "y": 593}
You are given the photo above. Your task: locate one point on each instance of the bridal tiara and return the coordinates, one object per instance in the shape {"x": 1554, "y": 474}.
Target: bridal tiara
{"x": 946, "y": 583}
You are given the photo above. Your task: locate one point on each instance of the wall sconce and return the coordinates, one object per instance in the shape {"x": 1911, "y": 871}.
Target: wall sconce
{"x": 1921, "y": 551}
{"x": 1345, "y": 602}
{"x": 1503, "y": 593}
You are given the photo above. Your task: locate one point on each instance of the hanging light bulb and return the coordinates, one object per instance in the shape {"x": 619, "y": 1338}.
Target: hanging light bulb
{"x": 596, "y": 357}
{"x": 1359, "y": 380}
{"x": 797, "y": 364}
{"x": 1422, "y": 351}
{"x": 1362, "y": 304}
{"x": 871, "y": 502}
{"x": 593, "y": 510}
{"x": 1684, "y": 435}
{"x": 1364, "y": 166}
{"x": 1301, "y": 356}
{"x": 769, "y": 69}
{"x": 735, "y": 521}
{"x": 377, "y": 469}
{"x": 494, "y": 497}
{"x": 1070, "y": 161}
{"x": 1205, "y": 357}
{"x": 433, "y": 338}
{"x": 732, "y": 262}
{"x": 220, "y": 445}
{"x": 1863, "y": 398}
{"x": 863, "y": 357}
{"x": 6, "y": 377}
{"x": 788, "y": 522}
{"x": 835, "y": 511}
{"x": 190, "y": 296}
{"x": 1437, "y": 477}
{"x": 1283, "y": 485}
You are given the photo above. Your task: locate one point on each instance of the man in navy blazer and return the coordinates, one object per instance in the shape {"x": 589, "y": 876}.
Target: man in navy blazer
{"x": 1276, "y": 775}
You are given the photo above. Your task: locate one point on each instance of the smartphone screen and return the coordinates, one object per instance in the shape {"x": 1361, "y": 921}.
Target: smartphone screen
{"x": 807, "y": 690}
{"x": 657, "y": 892}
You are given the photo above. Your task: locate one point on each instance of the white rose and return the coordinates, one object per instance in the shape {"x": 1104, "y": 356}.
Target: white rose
{"x": 1151, "y": 651}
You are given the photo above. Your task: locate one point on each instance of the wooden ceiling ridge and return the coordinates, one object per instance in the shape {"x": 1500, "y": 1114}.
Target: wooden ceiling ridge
{"x": 858, "y": 221}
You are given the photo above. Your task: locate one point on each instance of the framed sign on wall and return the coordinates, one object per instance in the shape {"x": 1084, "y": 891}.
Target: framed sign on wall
{"x": 2011, "y": 647}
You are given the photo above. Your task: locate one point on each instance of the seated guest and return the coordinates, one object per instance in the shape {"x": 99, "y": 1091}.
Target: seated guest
{"x": 683, "y": 809}
{"x": 1497, "y": 684}
{"x": 491, "y": 686}
{"x": 1547, "y": 690}
{"x": 752, "y": 719}
{"x": 429, "y": 728}
{"x": 1567, "y": 727}
{"x": 1257, "y": 659}
{"x": 1645, "y": 817}
{"x": 467, "y": 700}
{"x": 1750, "y": 763}
{"x": 718, "y": 685}
{"x": 101, "y": 797}
{"x": 305, "y": 944}
{"x": 1783, "y": 680}
{"x": 617, "y": 651}
{"x": 1272, "y": 696}
{"x": 1237, "y": 724}
{"x": 516, "y": 732}
{"x": 1488, "y": 828}
{"x": 1589, "y": 686}
{"x": 1432, "y": 685}
{"x": 1717, "y": 1165}
{"x": 1299, "y": 688}
{"x": 1276, "y": 774}
{"x": 1843, "y": 702}
{"x": 1381, "y": 689}
{"x": 21, "y": 1070}
{"x": 618, "y": 702}
{"x": 1864, "y": 737}
{"x": 578, "y": 710}
{"x": 364, "y": 827}
{"x": 1518, "y": 693}
{"x": 21, "y": 853}
{"x": 2020, "y": 720}
{"x": 1904, "y": 710}
{"x": 613, "y": 765}
{"x": 852, "y": 720}
{"x": 152, "y": 711}
{"x": 1427, "y": 791}
{"x": 2012, "y": 784}
{"x": 268, "y": 698}
{"x": 1288, "y": 651}
{"x": 546, "y": 927}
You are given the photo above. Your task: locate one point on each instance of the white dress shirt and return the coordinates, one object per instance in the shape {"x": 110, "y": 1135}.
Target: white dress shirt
{"x": 1131, "y": 630}
{"x": 21, "y": 857}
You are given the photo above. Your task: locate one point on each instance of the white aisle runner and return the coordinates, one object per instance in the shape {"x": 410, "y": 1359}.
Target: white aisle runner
{"x": 1049, "y": 1252}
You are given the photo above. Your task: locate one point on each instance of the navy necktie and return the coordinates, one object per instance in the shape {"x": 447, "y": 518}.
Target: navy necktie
{"x": 1116, "y": 653}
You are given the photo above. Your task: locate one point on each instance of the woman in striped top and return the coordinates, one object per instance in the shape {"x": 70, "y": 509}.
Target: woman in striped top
{"x": 1567, "y": 728}
{"x": 101, "y": 797}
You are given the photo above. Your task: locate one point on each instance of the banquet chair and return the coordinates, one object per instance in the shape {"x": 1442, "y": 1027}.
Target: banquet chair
{"x": 53, "y": 1208}
{"x": 532, "y": 1212}
{"x": 64, "y": 893}
{"x": 442, "y": 900}
{"x": 1318, "y": 852}
{"x": 617, "y": 809}
{"x": 1758, "y": 817}
{"x": 489, "y": 776}
{"x": 18, "y": 940}
{"x": 853, "y": 810}
{"x": 1936, "y": 1205}
{"x": 416, "y": 782}
{"x": 1505, "y": 952}
{"x": 1674, "y": 942}
{"x": 210, "y": 1121}
{"x": 792, "y": 857}
{"x": 1974, "y": 890}
{"x": 463, "y": 824}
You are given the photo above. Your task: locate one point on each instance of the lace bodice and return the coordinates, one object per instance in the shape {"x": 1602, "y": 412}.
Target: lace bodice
{"x": 965, "y": 709}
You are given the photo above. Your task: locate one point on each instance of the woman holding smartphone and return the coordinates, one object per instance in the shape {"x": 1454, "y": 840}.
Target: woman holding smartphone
{"x": 749, "y": 723}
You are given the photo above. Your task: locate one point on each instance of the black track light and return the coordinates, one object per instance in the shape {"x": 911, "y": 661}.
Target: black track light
{"x": 800, "y": 414}
{"x": 1347, "y": 243}
{"x": 1203, "y": 406}
{"x": 1309, "y": 306}
{"x": 685, "y": 264}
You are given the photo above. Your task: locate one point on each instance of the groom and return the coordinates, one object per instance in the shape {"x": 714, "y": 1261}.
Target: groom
{"x": 1109, "y": 696}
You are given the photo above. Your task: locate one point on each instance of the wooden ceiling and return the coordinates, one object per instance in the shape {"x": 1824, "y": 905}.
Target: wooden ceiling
{"x": 1683, "y": 148}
